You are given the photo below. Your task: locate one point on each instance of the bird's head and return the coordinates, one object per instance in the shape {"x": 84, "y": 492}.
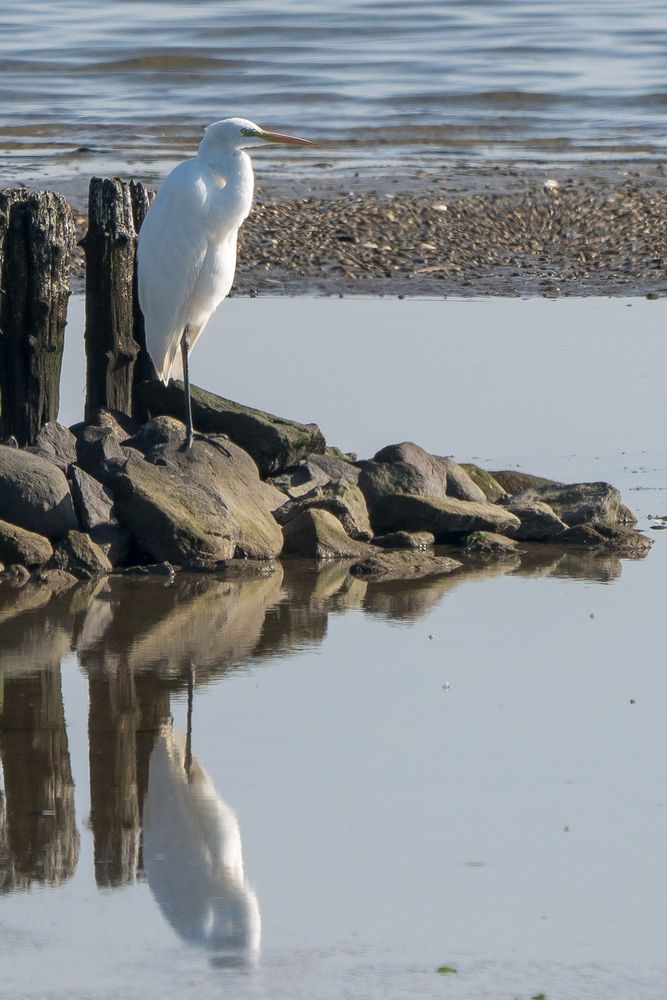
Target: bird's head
{"x": 240, "y": 133}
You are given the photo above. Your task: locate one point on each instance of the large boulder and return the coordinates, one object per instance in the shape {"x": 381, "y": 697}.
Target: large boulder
{"x": 342, "y": 499}
{"x": 446, "y": 518}
{"x": 601, "y": 536}
{"x": 317, "y": 534}
{"x": 34, "y": 494}
{"x": 273, "y": 442}
{"x": 23, "y": 547}
{"x": 203, "y": 504}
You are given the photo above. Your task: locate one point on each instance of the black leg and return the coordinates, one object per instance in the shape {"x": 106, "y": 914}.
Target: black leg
{"x": 188, "y": 734}
{"x": 190, "y": 435}
{"x": 185, "y": 349}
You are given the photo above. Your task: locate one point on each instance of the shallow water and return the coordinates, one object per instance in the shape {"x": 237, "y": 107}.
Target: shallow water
{"x": 467, "y": 771}
{"x": 118, "y": 86}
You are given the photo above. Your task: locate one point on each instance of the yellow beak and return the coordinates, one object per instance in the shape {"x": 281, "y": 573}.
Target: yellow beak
{"x": 290, "y": 140}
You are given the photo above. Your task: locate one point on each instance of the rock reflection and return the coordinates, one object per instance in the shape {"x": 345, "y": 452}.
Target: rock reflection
{"x": 193, "y": 858}
{"x": 135, "y": 639}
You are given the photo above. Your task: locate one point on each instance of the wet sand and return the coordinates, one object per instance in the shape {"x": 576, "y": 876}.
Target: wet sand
{"x": 475, "y": 229}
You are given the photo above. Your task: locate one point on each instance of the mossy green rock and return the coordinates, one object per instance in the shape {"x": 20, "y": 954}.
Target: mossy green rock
{"x": 202, "y": 504}
{"x": 317, "y": 534}
{"x": 274, "y": 442}
{"x": 23, "y": 547}
{"x": 487, "y": 483}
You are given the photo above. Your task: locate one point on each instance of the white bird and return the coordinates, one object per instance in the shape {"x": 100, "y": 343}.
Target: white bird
{"x": 186, "y": 256}
{"x": 193, "y": 858}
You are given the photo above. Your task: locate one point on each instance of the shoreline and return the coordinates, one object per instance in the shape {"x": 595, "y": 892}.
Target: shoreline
{"x": 491, "y": 228}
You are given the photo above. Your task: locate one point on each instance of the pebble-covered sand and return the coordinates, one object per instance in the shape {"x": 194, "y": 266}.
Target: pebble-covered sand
{"x": 491, "y": 229}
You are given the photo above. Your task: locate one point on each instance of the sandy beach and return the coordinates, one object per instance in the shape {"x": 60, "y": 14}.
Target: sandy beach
{"x": 476, "y": 229}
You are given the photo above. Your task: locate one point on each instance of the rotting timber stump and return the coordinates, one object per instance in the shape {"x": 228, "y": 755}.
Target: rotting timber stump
{"x": 116, "y": 354}
{"x": 36, "y": 242}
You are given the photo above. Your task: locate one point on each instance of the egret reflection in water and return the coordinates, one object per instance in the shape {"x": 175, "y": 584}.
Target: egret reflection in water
{"x": 193, "y": 859}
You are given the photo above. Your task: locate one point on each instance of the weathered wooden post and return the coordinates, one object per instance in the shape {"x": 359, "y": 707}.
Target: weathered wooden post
{"x": 115, "y": 345}
{"x": 36, "y": 241}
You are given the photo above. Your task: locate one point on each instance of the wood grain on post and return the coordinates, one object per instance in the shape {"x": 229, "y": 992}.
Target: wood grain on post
{"x": 36, "y": 241}
{"x": 115, "y": 344}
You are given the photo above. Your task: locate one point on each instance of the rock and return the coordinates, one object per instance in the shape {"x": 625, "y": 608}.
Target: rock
{"x": 403, "y": 468}
{"x": 317, "y": 534}
{"x": 273, "y": 442}
{"x": 419, "y": 540}
{"x": 337, "y": 467}
{"x": 489, "y": 545}
{"x": 403, "y": 566}
{"x": 299, "y": 480}
{"x": 539, "y": 523}
{"x": 197, "y": 504}
{"x": 24, "y": 547}
{"x": 15, "y": 576}
{"x": 489, "y": 486}
{"x": 119, "y": 423}
{"x": 626, "y": 516}
{"x": 446, "y": 518}
{"x": 56, "y": 444}
{"x": 98, "y": 449}
{"x": 34, "y": 494}
{"x": 608, "y": 538}
{"x": 344, "y": 500}
{"x": 92, "y": 501}
{"x": 114, "y": 540}
{"x": 57, "y": 581}
{"x": 460, "y": 484}
{"x": 78, "y": 554}
{"x": 578, "y": 503}
{"x": 518, "y": 482}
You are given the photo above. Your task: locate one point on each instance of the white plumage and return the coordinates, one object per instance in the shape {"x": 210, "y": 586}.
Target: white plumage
{"x": 186, "y": 256}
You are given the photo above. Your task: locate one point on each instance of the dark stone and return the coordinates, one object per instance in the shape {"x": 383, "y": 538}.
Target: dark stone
{"x": 609, "y": 538}
{"x": 273, "y": 442}
{"x": 56, "y": 444}
{"x": 92, "y": 501}
{"x": 488, "y": 545}
{"x": 336, "y": 467}
{"x": 99, "y": 450}
{"x": 34, "y": 494}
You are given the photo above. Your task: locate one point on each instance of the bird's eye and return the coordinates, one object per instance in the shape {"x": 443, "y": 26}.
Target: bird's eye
{"x": 247, "y": 131}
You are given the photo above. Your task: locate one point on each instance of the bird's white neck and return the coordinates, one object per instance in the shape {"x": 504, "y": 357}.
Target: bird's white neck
{"x": 232, "y": 169}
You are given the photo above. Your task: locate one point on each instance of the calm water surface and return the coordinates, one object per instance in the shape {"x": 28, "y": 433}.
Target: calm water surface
{"x": 384, "y": 778}
{"x": 120, "y": 86}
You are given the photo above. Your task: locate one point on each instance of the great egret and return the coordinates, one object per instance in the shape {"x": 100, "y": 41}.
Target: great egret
{"x": 186, "y": 255}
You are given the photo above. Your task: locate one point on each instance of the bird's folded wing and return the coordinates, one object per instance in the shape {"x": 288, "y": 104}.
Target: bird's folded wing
{"x": 171, "y": 251}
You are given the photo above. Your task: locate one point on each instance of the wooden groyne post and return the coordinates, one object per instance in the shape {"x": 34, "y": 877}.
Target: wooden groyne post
{"x": 36, "y": 242}
{"x": 115, "y": 344}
